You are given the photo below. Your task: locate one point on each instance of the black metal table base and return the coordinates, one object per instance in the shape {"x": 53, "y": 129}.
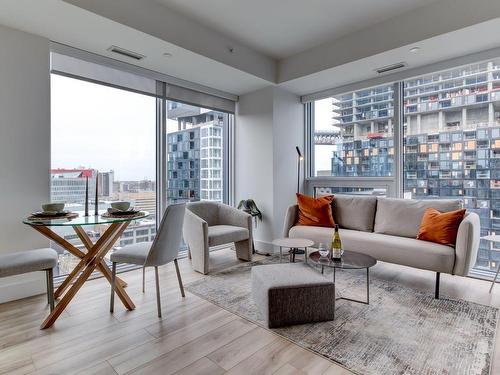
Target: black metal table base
{"x": 367, "y": 302}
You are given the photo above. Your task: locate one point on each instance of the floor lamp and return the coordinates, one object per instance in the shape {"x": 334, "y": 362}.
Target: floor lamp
{"x": 299, "y": 159}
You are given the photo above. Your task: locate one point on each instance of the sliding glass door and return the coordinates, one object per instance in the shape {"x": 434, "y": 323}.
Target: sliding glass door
{"x": 129, "y": 133}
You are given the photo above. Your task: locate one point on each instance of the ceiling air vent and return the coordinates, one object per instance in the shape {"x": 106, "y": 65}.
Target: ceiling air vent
{"x": 127, "y": 53}
{"x": 391, "y": 67}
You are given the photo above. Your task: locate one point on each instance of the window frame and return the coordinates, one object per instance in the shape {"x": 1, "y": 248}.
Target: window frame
{"x": 392, "y": 184}
{"x": 395, "y": 184}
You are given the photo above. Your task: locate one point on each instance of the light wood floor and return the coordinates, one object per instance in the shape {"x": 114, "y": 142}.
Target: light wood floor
{"x": 194, "y": 336}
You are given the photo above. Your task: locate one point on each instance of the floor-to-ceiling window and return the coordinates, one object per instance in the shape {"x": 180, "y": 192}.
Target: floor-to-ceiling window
{"x": 352, "y": 139}
{"x": 196, "y": 163}
{"x": 138, "y": 136}
{"x": 444, "y": 128}
{"x": 451, "y": 144}
{"x": 109, "y": 133}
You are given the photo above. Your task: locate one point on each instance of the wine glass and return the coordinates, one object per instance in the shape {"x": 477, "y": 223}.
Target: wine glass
{"x": 323, "y": 251}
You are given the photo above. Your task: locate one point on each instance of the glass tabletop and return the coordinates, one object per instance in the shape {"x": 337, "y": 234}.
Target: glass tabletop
{"x": 350, "y": 260}
{"x": 84, "y": 220}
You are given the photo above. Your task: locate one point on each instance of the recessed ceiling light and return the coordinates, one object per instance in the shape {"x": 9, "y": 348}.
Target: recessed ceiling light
{"x": 414, "y": 49}
{"x": 167, "y": 54}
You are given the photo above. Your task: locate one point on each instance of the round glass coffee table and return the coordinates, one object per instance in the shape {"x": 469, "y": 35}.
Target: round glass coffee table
{"x": 295, "y": 246}
{"x": 351, "y": 260}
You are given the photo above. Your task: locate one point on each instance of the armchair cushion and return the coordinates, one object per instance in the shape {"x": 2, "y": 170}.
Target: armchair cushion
{"x": 222, "y": 234}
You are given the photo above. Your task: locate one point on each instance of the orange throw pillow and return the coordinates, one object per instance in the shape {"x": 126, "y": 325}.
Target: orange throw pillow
{"x": 315, "y": 211}
{"x": 440, "y": 227}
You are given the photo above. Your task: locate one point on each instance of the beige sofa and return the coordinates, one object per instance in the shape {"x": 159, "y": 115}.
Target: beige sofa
{"x": 386, "y": 228}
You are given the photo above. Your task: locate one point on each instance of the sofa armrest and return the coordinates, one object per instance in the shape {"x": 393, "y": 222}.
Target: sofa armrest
{"x": 195, "y": 231}
{"x": 290, "y": 219}
{"x": 232, "y": 216}
{"x": 467, "y": 244}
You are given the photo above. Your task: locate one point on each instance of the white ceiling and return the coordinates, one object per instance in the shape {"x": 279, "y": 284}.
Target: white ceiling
{"x": 198, "y": 33}
{"x": 480, "y": 37}
{"x": 67, "y": 24}
{"x": 281, "y": 28}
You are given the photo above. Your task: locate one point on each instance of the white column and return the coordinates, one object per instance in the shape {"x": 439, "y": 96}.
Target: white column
{"x": 440, "y": 120}
{"x": 464, "y": 117}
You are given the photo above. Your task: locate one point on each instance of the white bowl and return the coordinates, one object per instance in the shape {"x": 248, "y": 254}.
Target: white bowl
{"x": 53, "y": 207}
{"x": 121, "y": 206}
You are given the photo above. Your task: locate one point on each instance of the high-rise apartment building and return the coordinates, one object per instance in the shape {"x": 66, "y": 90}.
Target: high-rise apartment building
{"x": 451, "y": 140}
{"x": 195, "y": 158}
{"x": 106, "y": 182}
{"x": 68, "y": 185}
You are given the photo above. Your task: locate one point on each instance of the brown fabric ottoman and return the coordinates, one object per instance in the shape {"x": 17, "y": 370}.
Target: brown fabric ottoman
{"x": 292, "y": 293}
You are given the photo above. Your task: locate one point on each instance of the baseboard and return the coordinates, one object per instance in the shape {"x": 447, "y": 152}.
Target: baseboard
{"x": 22, "y": 286}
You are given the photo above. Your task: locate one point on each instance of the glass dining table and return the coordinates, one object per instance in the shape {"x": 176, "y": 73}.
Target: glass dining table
{"x": 90, "y": 260}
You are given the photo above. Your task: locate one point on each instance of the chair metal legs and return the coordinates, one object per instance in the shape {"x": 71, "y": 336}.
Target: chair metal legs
{"x": 50, "y": 288}
{"x": 143, "y": 279}
{"x": 157, "y": 279}
{"x": 179, "y": 279}
{"x": 158, "y": 302}
{"x": 113, "y": 280}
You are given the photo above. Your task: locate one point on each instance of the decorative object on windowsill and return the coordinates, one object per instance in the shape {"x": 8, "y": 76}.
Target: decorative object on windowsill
{"x": 86, "y": 196}
{"x": 250, "y": 207}
{"x": 96, "y": 202}
{"x": 299, "y": 159}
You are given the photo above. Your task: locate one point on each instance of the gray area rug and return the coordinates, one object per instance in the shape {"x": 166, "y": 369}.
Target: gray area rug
{"x": 402, "y": 331}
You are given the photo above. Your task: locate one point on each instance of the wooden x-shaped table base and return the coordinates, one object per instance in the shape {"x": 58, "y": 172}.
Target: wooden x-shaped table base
{"x": 89, "y": 261}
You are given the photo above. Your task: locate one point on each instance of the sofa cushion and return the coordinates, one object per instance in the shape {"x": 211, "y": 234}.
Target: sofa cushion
{"x": 402, "y": 217}
{"x": 354, "y": 212}
{"x": 440, "y": 227}
{"x": 400, "y": 250}
{"x": 315, "y": 211}
{"x": 222, "y": 234}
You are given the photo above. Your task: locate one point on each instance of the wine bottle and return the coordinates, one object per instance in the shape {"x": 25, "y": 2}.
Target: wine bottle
{"x": 336, "y": 244}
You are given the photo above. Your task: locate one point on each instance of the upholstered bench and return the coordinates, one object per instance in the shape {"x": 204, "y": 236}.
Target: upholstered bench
{"x": 288, "y": 294}
{"x": 31, "y": 261}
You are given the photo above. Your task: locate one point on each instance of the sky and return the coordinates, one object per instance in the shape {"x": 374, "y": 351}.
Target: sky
{"x": 105, "y": 128}
{"x": 323, "y": 121}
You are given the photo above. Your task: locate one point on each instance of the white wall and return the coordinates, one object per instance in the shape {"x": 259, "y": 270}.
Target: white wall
{"x": 268, "y": 126}
{"x": 288, "y": 132}
{"x": 24, "y": 149}
{"x": 253, "y": 157}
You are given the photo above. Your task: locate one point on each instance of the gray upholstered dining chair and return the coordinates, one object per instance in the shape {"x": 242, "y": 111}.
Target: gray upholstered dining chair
{"x": 31, "y": 261}
{"x": 208, "y": 224}
{"x": 164, "y": 249}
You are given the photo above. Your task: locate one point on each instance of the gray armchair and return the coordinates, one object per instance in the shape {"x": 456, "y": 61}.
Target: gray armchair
{"x": 208, "y": 224}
